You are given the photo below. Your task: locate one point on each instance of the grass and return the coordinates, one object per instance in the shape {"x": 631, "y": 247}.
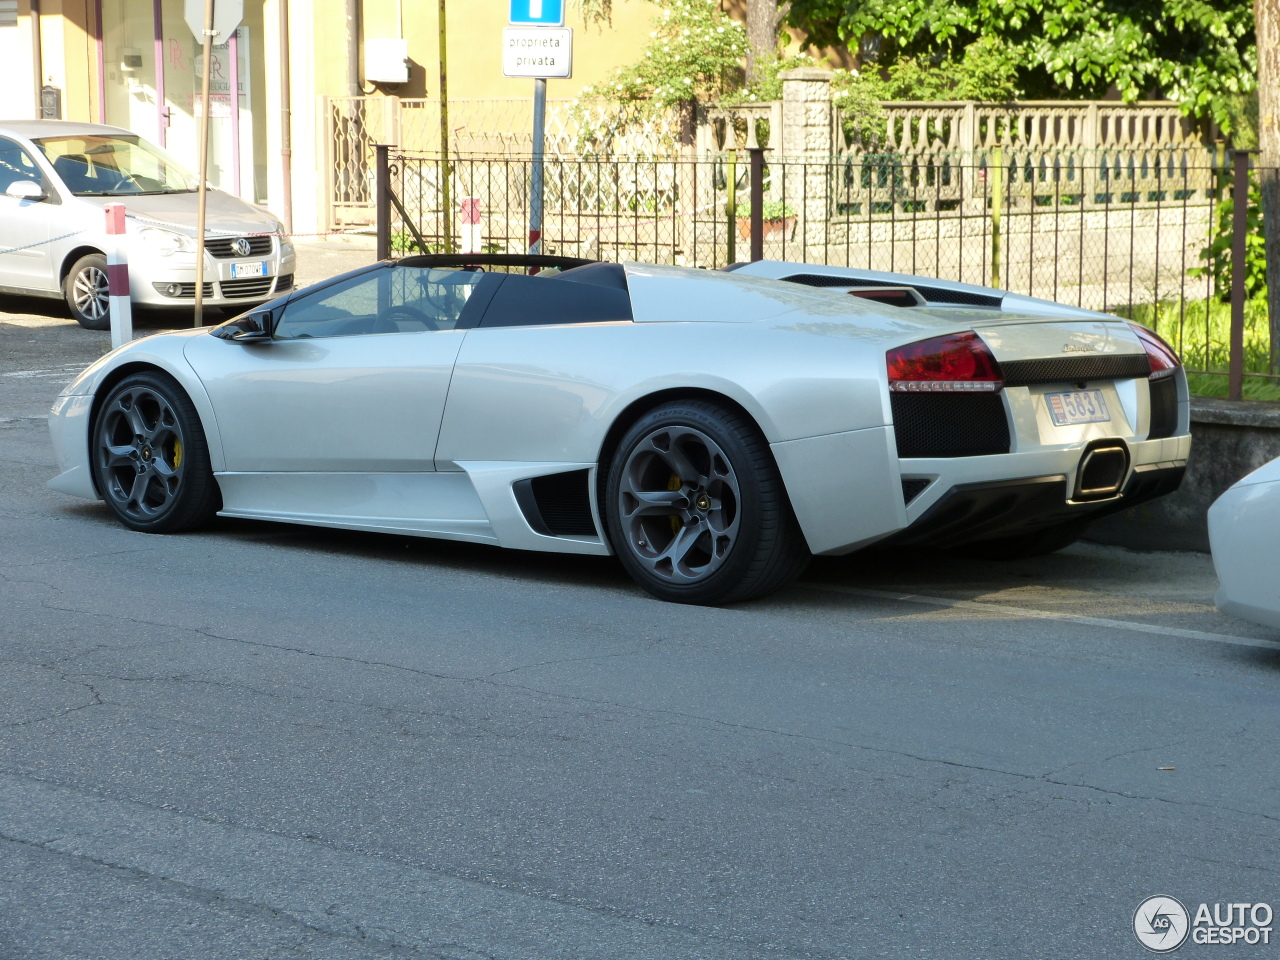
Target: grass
{"x": 1200, "y": 330}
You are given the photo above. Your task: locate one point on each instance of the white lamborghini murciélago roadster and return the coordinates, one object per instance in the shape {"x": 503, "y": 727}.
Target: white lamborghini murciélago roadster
{"x": 711, "y": 429}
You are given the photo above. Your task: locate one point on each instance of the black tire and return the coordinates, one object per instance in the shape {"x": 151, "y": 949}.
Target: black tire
{"x": 714, "y": 525}
{"x": 85, "y": 290}
{"x": 1026, "y": 545}
{"x": 150, "y": 458}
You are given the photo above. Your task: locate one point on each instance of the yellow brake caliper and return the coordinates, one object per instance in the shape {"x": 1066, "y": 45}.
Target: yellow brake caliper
{"x": 177, "y": 453}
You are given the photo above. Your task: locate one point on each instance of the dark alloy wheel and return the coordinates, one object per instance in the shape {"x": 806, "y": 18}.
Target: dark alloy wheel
{"x": 87, "y": 292}
{"x": 696, "y": 510}
{"x": 150, "y": 457}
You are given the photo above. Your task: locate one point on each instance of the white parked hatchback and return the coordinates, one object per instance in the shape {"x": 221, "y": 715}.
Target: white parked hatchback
{"x": 55, "y": 179}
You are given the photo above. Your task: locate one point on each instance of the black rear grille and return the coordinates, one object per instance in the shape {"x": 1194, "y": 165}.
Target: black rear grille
{"x": 244, "y": 289}
{"x": 949, "y": 424}
{"x": 931, "y": 294}
{"x": 1127, "y": 366}
{"x": 223, "y": 247}
{"x": 1164, "y": 408}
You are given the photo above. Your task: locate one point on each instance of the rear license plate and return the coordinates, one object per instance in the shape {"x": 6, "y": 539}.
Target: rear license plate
{"x": 240, "y": 270}
{"x": 1078, "y": 406}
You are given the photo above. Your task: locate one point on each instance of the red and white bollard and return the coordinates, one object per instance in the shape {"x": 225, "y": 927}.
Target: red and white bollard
{"x": 118, "y": 278}
{"x": 472, "y": 230}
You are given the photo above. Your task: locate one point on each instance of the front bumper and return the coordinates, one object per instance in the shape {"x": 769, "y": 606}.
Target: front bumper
{"x": 171, "y": 281}
{"x": 69, "y": 431}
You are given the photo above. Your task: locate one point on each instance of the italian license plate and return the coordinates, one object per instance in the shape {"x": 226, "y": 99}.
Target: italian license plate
{"x": 240, "y": 270}
{"x": 1077, "y": 406}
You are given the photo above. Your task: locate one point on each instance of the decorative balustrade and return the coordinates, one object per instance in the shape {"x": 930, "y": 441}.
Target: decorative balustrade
{"x": 936, "y": 158}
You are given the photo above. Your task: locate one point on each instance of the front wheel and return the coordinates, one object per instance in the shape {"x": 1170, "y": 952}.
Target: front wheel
{"x": 150, "y": 458}
{"x": 696, "y": 510}
{"x": 87, "y": 292}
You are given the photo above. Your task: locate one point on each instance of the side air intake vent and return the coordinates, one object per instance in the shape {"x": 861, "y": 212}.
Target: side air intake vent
{"x": 931, "y": 294}
{"x": 558, "y": 505}
{"x": 949, "y": 424}
{"x": 1125, "y": 366}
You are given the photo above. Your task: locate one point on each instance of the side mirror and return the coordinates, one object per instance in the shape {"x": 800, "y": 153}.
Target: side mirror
{"x": 26, "y": 190}
{"x": 258, "y": 326}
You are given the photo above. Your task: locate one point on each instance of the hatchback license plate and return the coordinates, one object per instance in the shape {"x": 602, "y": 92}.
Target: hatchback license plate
{"x": 241, "y": 270}
{"x": 1078, "y": 406}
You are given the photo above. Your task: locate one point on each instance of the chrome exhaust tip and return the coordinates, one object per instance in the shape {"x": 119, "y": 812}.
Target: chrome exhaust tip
{"x": 1102, "y": 470}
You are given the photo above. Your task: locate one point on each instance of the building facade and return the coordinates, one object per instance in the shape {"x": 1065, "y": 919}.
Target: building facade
{"x": 137, "y": 64}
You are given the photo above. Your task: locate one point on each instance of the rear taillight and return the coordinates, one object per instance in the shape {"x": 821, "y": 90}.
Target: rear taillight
{"x": 1164, "y": 362}
{"x": 956, "y": 363}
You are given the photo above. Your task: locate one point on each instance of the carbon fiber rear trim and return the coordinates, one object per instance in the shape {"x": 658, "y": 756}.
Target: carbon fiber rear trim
{"x": 1127, "y": 366}
{"x": 931, "y": 294}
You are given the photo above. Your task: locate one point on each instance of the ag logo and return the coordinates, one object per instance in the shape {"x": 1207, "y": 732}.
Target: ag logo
{"x": 1161, "y": 924}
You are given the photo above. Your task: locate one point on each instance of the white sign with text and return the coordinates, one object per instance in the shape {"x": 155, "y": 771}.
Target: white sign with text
{"x": 538, "y": 53}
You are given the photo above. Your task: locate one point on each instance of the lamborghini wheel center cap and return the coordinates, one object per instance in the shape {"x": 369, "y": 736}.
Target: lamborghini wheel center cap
{"x": 703, "y": 502}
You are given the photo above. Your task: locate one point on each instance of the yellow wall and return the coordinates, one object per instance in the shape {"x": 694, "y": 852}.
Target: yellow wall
{"x": 73, "y": 19}
{"x": 475, "y": 46}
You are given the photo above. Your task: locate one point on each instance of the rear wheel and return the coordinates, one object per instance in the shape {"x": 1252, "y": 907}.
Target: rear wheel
{"x": 87, "y": 292}
{"x": 696, "y": 510}
{"x": 150, "y": 458}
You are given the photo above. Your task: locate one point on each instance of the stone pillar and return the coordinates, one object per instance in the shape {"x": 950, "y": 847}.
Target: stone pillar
{"x": 808, "y": 153}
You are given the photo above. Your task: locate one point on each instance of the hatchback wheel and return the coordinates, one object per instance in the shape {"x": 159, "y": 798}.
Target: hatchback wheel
{"x": 696, "y": 509}
{"x": 150, "y": 458}
{"x": 87, "y": 292}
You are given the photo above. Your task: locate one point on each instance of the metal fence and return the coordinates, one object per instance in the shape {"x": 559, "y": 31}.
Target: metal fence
{"x": 1151, "y": 240}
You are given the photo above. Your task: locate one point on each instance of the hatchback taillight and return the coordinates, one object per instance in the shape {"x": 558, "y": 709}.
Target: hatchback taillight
{"x": 1164, "y": 362}
{"x": 956, "y": 363}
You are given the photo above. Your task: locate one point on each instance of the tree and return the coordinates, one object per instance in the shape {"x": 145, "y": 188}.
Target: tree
{"x": 695, "y": 52}
{"x": 1198, "y": 52}
{"x": 763, "y": 18}
{"x": 1267, "y": 15}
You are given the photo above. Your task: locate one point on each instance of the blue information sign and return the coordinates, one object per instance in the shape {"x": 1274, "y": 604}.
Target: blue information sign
{"x": 537, "y": 13}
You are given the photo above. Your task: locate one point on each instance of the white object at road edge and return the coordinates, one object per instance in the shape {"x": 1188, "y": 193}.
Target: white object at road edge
{"x": 118, "y": 278}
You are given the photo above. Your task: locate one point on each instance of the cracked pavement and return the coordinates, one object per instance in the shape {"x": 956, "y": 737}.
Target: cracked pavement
{"x": 265, "y": 741}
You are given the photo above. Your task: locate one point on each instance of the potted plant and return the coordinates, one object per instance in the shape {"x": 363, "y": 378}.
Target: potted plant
{"x": 779, "y": 219}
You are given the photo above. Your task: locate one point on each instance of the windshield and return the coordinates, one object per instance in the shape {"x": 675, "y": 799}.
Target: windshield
{"x": 98, "y": 166}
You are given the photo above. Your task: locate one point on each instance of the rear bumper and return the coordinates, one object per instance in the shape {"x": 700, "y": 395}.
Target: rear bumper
{"x": 996, "y": 509}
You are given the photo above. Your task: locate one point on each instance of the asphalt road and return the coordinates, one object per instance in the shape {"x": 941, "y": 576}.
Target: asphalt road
{"x": 271, "y": 741}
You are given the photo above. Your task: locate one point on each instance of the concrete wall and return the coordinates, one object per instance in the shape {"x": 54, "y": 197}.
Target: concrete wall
{"x": 1229, "y": 440}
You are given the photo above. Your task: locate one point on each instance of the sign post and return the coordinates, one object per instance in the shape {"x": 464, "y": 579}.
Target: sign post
{"x": 206, "y": 23}
{"x": 539, "y": 46}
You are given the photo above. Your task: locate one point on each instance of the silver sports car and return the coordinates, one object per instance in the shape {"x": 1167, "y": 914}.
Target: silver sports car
{"x": 710, "y": 429}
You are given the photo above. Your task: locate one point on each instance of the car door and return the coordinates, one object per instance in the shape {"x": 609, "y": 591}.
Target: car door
{"x": 26, "y": 224}
{"x": 514, "y": 396}
{"x": 354, "y": 382}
